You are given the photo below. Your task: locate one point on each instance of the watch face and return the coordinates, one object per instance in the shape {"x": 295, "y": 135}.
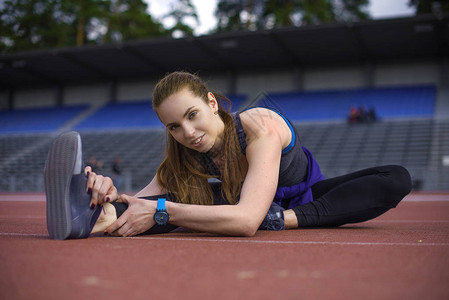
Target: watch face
{"x": 161, "y": 217}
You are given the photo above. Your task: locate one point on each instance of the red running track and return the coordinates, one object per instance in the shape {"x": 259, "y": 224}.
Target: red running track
{"x": 403, "y": 254}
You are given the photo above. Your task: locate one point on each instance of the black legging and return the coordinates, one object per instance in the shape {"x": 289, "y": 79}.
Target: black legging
{"x": 351, "y": 198}
{"x": 355, "y": 197}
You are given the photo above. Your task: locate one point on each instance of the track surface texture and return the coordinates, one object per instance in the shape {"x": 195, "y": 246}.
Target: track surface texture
{"x": 403, "y": 254}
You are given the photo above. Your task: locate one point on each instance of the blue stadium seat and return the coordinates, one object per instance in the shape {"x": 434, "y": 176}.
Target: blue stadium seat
{"x": 237, "y": 102}
{"x": 123, "y": 115}
{"x": 132, "y": 115}
{"x": 35, "y": 120}
{"x": 389, "y": 102}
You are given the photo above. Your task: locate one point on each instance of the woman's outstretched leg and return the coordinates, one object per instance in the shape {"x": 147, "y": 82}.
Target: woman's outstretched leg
{"x": 106, "y": 218}
{"x": 355, "y": 197}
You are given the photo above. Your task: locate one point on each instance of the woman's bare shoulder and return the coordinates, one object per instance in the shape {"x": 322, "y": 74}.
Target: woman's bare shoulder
{"x": 261, "y": 121}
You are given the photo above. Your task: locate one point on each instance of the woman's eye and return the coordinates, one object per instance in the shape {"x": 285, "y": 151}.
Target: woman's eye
{"x": 192, "y": 114}
{"x": 173, "y": 127}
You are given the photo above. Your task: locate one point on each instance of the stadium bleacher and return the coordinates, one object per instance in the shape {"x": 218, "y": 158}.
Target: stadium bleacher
{"x": 407, "y": 134}
{"x": 46, "y": 119}
{"x": 121, "y": 116}
{"x": 237, "y": 102}
{"x": 341, "y": 148}
{"x": 388, "y": 102}
{"x": 131, "y": 115}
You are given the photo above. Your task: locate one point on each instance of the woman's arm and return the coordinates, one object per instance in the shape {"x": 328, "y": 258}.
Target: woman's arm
{"x": 259, "y": 187}
{"x": 242, "y": 219}
{"x": 102, "y": 188}
{"x": 265, "y": 142}
{"x": 267, "y": 134}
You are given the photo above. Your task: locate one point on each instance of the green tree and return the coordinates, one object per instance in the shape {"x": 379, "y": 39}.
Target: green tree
{"x": 30, "y": 24}
{"x": 430, "y": 6}
{"x": 234, "y": 15}
{"x": 37, "y": 24}
{"x": 267, "y": 14}
{"x": 34, "y": 24}
{"x": 181, "y": 11}
{"x": 128, "y": 20}
{"x": 88, "y": 15}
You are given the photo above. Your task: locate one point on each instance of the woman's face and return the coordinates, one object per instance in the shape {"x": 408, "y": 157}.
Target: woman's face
{"x": 191, "y": 121}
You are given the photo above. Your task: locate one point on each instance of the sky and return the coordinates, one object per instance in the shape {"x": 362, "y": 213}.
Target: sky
{"x": 379, "y": 9}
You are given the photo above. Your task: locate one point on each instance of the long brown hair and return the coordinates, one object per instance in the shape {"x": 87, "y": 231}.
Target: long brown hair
{"x": 181, "y": 172}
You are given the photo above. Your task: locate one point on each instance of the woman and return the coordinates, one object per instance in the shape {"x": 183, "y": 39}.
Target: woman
{"x": 269, "y": 179}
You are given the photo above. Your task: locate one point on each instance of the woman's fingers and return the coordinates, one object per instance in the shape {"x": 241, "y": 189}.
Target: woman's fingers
{"x": 137, "y": 218}
{"x": 97, "y": 190}
{"x": 112, "y": 195}
{"x": 91, "y": 176}
{"x": 114, "y": 227}
{"x": 125, "y": 199}
{"x": 125, "y": 230}
{"x": 100, "y": 188}
{"x": 87, "y": 170}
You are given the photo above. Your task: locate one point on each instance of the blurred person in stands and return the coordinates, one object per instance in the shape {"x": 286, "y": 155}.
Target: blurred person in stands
{"x": 99, "y": 166}
{"x": 92, "y": 163}
{"x": 117, "y": 171}
{"x": 353, "y": 115}
{"x": 229, "y": 174}
{"x": 361, "y": 114}
{"x": 371, "y": 116}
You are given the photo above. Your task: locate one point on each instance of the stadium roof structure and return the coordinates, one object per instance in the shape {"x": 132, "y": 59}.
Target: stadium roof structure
{"x": 299, "y": 47}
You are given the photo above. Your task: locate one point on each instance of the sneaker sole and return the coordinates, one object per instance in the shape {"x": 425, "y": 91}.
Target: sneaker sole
{"x": 58, "y": 172}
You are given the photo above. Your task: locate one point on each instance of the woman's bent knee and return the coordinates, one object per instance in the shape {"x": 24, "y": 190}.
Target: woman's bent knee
{"x": 401, "y": 183}
{"x": 404, "y": 180}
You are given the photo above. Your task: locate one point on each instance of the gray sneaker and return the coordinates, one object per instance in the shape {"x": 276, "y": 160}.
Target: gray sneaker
{"x": 274, "y": 220}
{"x": 68, "y": 213}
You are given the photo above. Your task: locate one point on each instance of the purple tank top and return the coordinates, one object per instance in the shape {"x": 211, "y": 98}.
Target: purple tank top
{"x": 298, "y": 169}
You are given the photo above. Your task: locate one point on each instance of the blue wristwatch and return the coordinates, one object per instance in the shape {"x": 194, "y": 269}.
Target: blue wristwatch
{"x": 161, "y": 216}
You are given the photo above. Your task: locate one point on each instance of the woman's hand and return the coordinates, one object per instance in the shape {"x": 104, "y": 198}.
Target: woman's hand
{"x": 136, "y": 219}
{"x": 101, "y": 188}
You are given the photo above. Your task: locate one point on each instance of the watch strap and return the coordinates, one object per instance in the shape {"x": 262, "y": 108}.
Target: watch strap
{"x": 161, "y": 204}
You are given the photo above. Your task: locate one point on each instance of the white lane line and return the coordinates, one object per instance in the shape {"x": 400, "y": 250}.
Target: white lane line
{"x": 367, "y": 222}
{"x": 22, "y": 198}
{"x": 214, "y": 240}
{"x": 22, "y": 234}
{"x": 39, "y": 197}
{"x": 22, "y": 217}
{"x": 427, "y": 198}
{"x": 290, "y": 242}
{"x": 405, "y": 221}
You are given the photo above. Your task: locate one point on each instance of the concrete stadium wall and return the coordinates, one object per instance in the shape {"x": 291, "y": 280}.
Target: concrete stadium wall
{"x": 251, "y": 83}
{"x": 343, "y": 77}
{"x": 3, "y": 99}
{"x": 34, "y": 98}
{"x": 217, "y": 82}
{"x": 334, "y": 78}
{"x": 92, "y": 94}
{"x": 136, "y": 90}
{"x": 406, "y": 73}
